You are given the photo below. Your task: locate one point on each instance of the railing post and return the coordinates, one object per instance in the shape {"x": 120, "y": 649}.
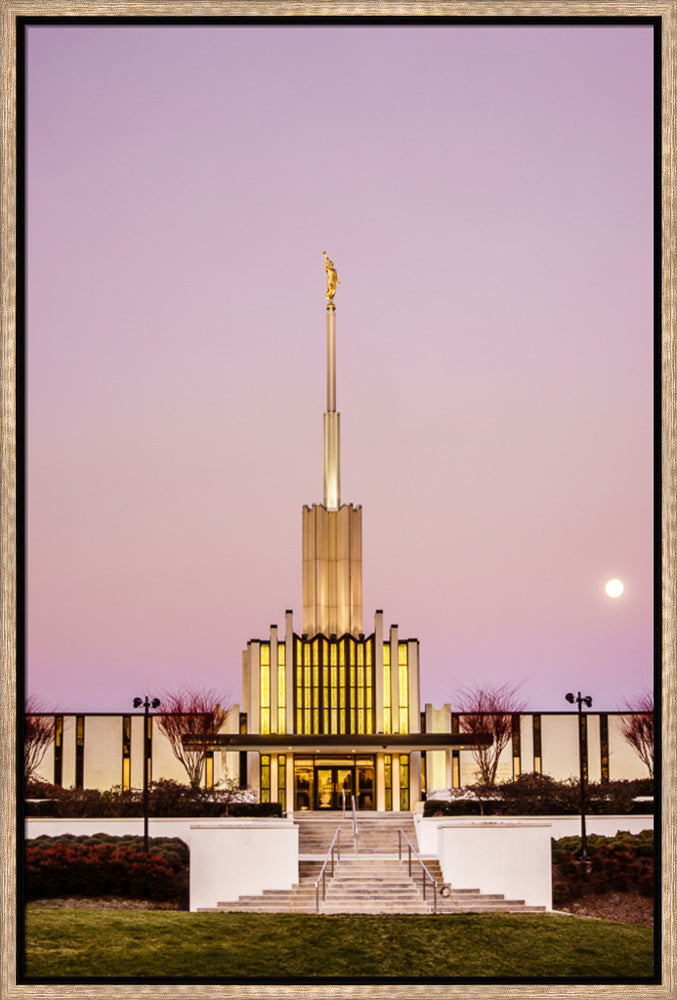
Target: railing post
{"x": 317, "y": 896}
{"x": 409, "y": 849}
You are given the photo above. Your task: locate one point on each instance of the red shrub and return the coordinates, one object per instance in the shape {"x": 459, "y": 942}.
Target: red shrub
{"x": 97, "y": 870}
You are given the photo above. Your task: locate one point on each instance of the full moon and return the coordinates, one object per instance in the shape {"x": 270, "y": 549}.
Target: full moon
{"x": 614, "y": 588}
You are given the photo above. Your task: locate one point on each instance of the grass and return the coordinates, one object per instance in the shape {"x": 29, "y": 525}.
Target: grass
{"x": 74, "y": 943}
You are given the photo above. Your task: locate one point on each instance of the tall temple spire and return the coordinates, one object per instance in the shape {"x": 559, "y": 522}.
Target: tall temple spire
{"x": 332, "y": 419}
{"x": 332, "y": 534}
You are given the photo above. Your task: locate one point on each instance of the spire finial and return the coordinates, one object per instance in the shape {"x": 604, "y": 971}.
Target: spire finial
{"x": 332, "y": 279}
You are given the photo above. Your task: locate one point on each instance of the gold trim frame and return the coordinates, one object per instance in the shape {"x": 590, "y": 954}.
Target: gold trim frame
{"x": 10, "y": 10}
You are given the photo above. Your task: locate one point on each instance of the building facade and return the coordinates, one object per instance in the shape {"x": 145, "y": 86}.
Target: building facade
{"x": 330, "y": 711}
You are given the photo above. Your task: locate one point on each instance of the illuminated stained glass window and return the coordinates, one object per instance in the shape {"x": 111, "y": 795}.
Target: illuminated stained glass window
{"x": 126, "y": 752}
{"x": 404, "y": 687}
{"x": 334, "y": 688}
{"x": 265, "y": 777}
{"x": 388, "y": 780}
{"x": 282, "y": 780}
{"x": 58, "y": 749}
{"x": 264, "y": 687}
{"x": 404, "y": 782}
{"x": 516, "y": 747}
{"x": 281, "y": 691}
{"x": 79, "y": 750}
{"x": 603, "y": 746}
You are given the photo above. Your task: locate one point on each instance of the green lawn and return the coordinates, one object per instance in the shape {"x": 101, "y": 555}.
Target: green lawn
{"x": 150, "y": 943}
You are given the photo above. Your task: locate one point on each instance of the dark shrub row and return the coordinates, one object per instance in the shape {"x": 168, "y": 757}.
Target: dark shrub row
{"x": 172, "y": 849}
{"x": 541, "y": 795}
{"x": 106, "y": 868}
{"x": 622, "y": 863}
{"x": 165, "y": 798}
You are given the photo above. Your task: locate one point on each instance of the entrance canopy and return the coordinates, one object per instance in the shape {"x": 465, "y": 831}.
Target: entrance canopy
{"x": 292, "y": 743}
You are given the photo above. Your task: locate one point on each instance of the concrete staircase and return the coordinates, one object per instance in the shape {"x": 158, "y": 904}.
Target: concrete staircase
{"x": 376, "y": 832}
{"x": 373, "y": 886}
{"x": 300, "y": 899}
{"x": 369, "y": 878}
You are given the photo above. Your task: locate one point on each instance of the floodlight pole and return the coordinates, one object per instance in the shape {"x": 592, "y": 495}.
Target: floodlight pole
{"x": 147, "y": 704}
{"x": 580, "y": 701}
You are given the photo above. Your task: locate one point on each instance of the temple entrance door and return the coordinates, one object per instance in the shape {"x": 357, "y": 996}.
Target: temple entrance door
{"x": 329, "y": 784}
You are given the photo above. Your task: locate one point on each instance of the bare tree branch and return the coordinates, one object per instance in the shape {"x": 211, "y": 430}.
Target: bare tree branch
{"x": 488, "y": 711}
{"x": 39, "y": 727}
{"x": 191, "y": 712}
{"x": 638, "y": 728}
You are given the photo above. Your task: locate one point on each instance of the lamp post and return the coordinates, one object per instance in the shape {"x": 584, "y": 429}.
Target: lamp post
{"x": 146, "y": 706}
{"x": 580, "y": 701}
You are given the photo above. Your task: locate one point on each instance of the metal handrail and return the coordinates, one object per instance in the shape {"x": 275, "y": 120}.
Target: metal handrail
{"x": 425, "y": 874}
{"x": 354, "y": 822}
{"x": 334, "y": 847}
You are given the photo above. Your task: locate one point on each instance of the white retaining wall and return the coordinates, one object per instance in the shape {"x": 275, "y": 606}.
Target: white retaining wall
{"x": 37, "y": 826}
{"x": 235, "y": 858}
{"x": 560, "y": 826}
{"x": 510, "y": 858}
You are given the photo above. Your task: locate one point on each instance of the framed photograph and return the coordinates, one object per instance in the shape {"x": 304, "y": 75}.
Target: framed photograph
{"x": 355, "y": 319}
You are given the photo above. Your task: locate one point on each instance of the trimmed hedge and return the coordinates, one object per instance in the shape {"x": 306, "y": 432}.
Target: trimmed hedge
{"x": 165, "y": 798}
{"x": 541, "y": 795}
{"x": 105, "y": 866}
{"x": 622, "y": 863}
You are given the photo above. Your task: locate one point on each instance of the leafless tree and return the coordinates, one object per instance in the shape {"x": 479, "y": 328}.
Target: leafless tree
{"x": 487, "y": 711}
{"x": 39, "y": 727}
{"x": 191, "y": 712}
{"x": 638, "y": 730}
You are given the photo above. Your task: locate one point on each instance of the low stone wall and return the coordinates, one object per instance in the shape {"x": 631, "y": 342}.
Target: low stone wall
{"x": 508, "y": 858}
{"x": 38, "y": 826}
{"x": 561, "y": 826}
{"x": 232, "y": 858}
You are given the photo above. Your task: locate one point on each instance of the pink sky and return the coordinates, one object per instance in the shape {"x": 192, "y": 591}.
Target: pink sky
{"x": 486, "y": 195}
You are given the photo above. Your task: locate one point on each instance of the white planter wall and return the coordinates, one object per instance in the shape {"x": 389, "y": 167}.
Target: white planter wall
{"x": 37, "y": 826}
{"x": 509, "y": 858}
{"x": 233, "y": 858}
{"x": 561, "y": 826}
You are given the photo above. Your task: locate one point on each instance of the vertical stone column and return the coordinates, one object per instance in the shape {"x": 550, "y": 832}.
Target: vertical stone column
{"x": 447, "y": 729}
{"x": 413, "y": 677}
{"x": 289, "y": 672}
{"x": 414, "y": 778}
{"x": 380, "y": 778}
{"x": 289, "y": 778}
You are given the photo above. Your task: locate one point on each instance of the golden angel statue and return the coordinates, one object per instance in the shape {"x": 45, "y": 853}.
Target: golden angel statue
{"x": 332, "y": 277}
